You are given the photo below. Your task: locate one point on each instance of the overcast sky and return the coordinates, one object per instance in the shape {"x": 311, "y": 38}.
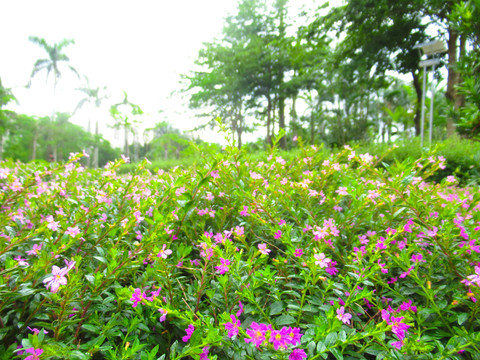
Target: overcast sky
{"x": 141, "y": 47}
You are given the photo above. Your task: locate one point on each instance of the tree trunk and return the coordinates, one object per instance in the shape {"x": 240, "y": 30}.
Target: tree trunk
{"x": 269, "y": 119}
{"x": 418, "y": 105}
{"x": 95, "y": 150}
{"x": 452, "y": 79}
{"x": 281, "y": 120}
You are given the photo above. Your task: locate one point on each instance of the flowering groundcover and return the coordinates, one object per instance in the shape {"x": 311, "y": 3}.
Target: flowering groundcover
{"x": 320, "y": 258}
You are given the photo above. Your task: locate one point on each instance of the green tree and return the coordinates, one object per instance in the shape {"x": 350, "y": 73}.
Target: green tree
{"x": 6, "y": 116}
{"x": 52, "y": 65}
{"x": 93, "y": 97}
{"x": 126, "y": 116}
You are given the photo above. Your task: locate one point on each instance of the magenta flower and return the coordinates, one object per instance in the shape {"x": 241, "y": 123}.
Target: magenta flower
{"x": 58, "y": 278}
{"x": 473, "y": 279}
{"x": 138, "y": 296}
{"x": 232, "y": 327}
{"x": 35, "y": 353}
{"x": 298, "y": 252}
{"x": 297, "y": 354}
{"x": 344, "y": 317}
{"x": 223, "y": 267}
{"x": 293, "y": 336}
{"x": 189, "y": 332}
{"x": 204, "y": 354}
{"x": 279, "y": 338}
{"x": 278, "y": 234}
{"x": 263, "y": 249}
{"x": 240, "y": 311}
{"x": 256, "y": 333}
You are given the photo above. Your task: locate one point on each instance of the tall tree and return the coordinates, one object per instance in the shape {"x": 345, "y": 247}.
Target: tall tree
{"x": 6, "y": 116}
{"x": 93, "y": 97}
{"x": 126, "y": 115}
{"x": 52, "y": 65}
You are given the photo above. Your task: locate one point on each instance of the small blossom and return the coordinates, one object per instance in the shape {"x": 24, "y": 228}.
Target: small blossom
{"x": 35, "y": 353}
{"x": 223, "y": 267}
{"x": 189, "y": 332}
{"x": 344, "y": 317}
{"x": 163, "y": 253}
{"x": 322, "y": 261}
{"x": 232, "y": 327}
{"x": 263, "y": 249}
{"x": 297, "y": 354}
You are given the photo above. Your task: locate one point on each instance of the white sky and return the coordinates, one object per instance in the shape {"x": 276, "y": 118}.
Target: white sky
{"x": 140, "y": 47}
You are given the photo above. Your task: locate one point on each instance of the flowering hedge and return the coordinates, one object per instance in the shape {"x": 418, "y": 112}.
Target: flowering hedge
{"x": 319, "y": 258}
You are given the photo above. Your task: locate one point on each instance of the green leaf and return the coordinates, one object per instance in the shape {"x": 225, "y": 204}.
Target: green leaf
{"x": 462, "y": 317}
{"x": 335, "y": 352}
{"x": 276, "y": 308}
{"x": 284, "y": 320}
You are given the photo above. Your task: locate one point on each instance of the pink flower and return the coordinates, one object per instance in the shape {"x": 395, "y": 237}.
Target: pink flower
{"x": 256, "y": 333}
{"x": 232, "y": 327}
{"x": 297, "y": 354}
{"x": 322, "y": 261}
{"x": 164, "y": 252}
{"x": 223, "y": 267}
{"x": 263, "y": 249}
{"x": 21, "y": 262}
{"x": 204, "y": 354}
{"x": 35, "y": 353}
{"x": 278, "y": 235}
{"x": 72, "y": 231}
{"x": 164, "y": 314}
{"x": 298, "y": 252}
{"x": 180, "y": 191}
{"x": 342, "y": 191}
{"x": 279, "y": 338}
{"x": 344, "y": 317}
{"x": 189, "y": 332}
{"x": 240, "y": 311}
{"x": 244, "y": 212}
{"x": 58, "y": 278}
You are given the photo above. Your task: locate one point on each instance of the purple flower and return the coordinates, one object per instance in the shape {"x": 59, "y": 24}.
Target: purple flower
{"x": 345, "y": 318}
{"x": 223, "y": 267}
{"x": 298, "y": 252}
{"x": 232, "y": 327}
{"x": 278, "y": 234}
{"x": 58, "y": 278}
{"x": 204, "y": 354}
{"x": 189, "y": 332}
{"x": 279, "y": 338}
{"x": 297, "y": 354}
{"x": 35, "y": 353}
{"x": 240, "y": 311}
{"x": 256, "y": 333}
{"x": 138, "y": 296}
{"x": 164, "y": 314}
{"x": 293, "y": 336}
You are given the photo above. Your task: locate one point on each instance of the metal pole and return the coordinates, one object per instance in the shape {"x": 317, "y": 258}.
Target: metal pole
{"x": 432, "y": 100}
{"x": 422, "y": 123}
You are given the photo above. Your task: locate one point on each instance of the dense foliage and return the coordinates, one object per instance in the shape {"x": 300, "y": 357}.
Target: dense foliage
{"x": 320, "y": 257}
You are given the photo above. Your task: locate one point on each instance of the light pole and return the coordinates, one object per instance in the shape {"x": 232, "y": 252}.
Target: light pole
{"x": 431, "y": 48}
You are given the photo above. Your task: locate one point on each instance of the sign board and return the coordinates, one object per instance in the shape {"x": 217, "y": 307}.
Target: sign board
{"x": 429, "y": 62}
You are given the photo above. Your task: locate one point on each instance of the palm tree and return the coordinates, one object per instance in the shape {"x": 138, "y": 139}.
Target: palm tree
{"x": 51, "y": 64}
{"x": 121, "y": 113}
{"x": 93, "y": 96}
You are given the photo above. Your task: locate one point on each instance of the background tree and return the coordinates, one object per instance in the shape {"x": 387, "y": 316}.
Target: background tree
{"x": 52, "y": 65}
{"x": 93, "y": 97}
{"x": 126, "y": 116}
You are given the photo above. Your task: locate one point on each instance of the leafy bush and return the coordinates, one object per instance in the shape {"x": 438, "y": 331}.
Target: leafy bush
{"x": 333, "y": 258}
